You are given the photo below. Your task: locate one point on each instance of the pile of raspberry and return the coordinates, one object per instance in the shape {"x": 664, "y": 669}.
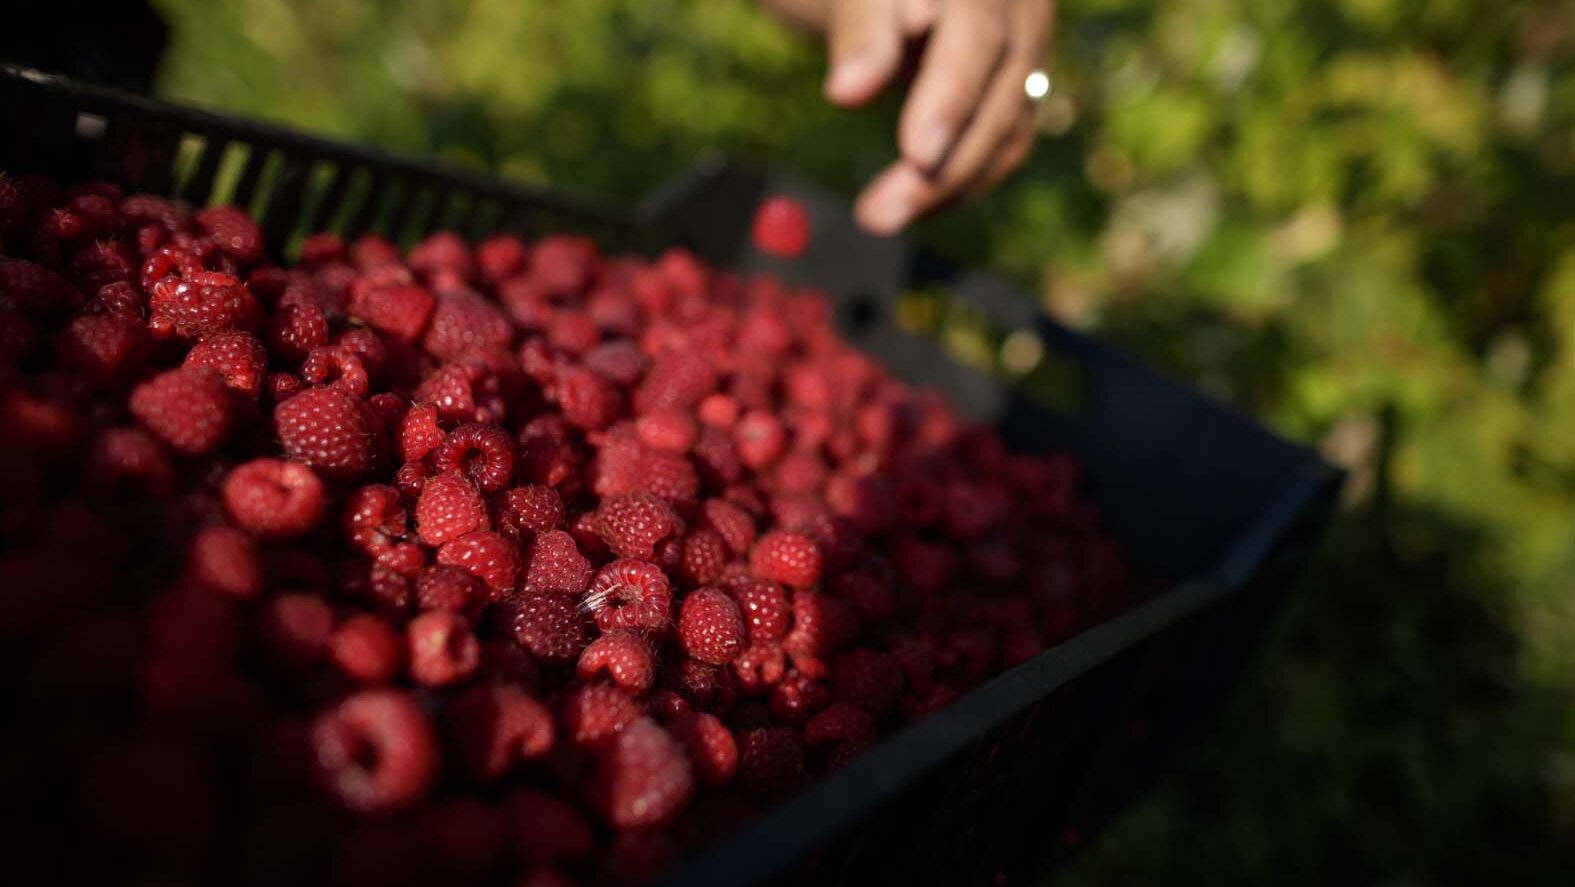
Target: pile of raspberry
{"x": 515, "y": 562}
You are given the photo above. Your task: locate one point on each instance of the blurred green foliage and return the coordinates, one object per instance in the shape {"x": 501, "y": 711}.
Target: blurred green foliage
{"x": 1349, "y": 217}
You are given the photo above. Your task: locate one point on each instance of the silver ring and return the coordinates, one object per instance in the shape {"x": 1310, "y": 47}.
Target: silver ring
{"x": 1037, "y": 85}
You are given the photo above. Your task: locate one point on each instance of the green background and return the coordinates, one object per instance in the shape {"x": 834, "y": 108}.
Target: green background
{"x": 1350, "y": 218}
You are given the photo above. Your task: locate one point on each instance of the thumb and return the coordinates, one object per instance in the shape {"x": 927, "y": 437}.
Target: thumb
{"x": 864, "y": 40}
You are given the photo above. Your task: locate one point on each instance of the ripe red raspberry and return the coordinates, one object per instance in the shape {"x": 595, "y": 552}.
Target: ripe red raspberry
{"x": 451, "y": 388}
{"x": 442, "y": 648}
{"x": 35, "y": 290}
{"x": 545, "y": 828}
{"x": 450, "y": 507}
{"x": 620, "y": 362}
{"x": 530, "y": 510}
{"x": 760, "y": 667}
{"x": 464, "y": 324}
{"x": 760, "y": 438}
{"x": 822, "y": 625}
{"x": 225, "y": 559}
{"x": 781, "y": 227}
{"x": 632, "y": 524}
{"x": 572, "y": 331}
{"x": 840, "y": 722}
{"x": 642, "y": 778}
{"x": 232, "y": 231}
{"x": 399, "y": 311}
{"x": 373, "y": 518}
{"x": 283, "y": 386}
{"x": 327, "y": 429}
{"x": 710, "y": 627}
{"x": 869, "y": 596}
{"x": 101, "y": 263}
{"x": 419, "y": 432}
{"x": 668, "y": 475}
{"x": 870, "y": 679}
{"x": 490, "y": 557}
{"x": 450, "y": 588}
{"x": 718, "y": 410}
{"x": 732, "y": 523}
{"x": 709, "y": 745}
{"x": 338, "y": 367}
{"x": 563, "y": 264}
{"x": 367, "y": 649}
{"x": 484, "y": 453}
{"x": 667, "y": 430}
{"x": 206, "y": 302}
{"x": 550, "y": 626}
{"x": 677, "y": 381}
{"x": 770, "y": 761}
{"x": 587, "y": 400}
{"x": 295, "y": 629}
{"x": 796, "y": 698}
{"x": 119, "y": 299}
{"x": 442, "y": 254}
{"x": 629, "y": 594}
{"x": 375, "y": 751}
{"x": 129, "y": 457}
{"x": 556, "y": 566}
{"x": 272, "y": 497}
{"x": 189, "y": 409}
{"x": 500, "y": 257}
{"x": 105, "y": 348}
{"x": 492, "y": 727}
{"x": 239, "y": 357}
{"x": 591, "y": 714}
{"x": 790, "y": 558}
{"x": 765, "y": 608}
{"x": 625, "y": 657}
{"x": 547, "y": 454}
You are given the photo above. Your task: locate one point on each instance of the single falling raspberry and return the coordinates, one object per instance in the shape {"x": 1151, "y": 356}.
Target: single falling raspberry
{"x": 238, "y": 357}
{"x": 483, "y": 453}
{"x": 789, "y": 558}
{"x": 107, "y": 349}
{"x": 189, "y": 409}
{"x": 274, "y": 498}
{"x": 592, "y": 714}
{"x": 492, "y": 558}
{"x": 667, "y": 429}
{"x": 367, "y": 649}
{"x": 550, "y": 626}
{"x": 632, "y": 524}
{"x": 710, "y": 627}
{"x": 624, "y": 657}
{"x": 770, "y": 761}
{"x": 797, "y": 697}
{"x": 450, "y": 507}
{"x": 494, "y": 727}
{"x": 765, "y": 608}
{"x": 641, "y": 779}
{"x": 206, "y": 302}
{"x": 781, "y": 227}
{"x": 327, "y": 429}
{"x": 556, "y": 566}
{"x": 630, "y": 594}
{"x": 375, "y": 751}
{"x": 620, "y": 362}
{"x": 233, "y": 231}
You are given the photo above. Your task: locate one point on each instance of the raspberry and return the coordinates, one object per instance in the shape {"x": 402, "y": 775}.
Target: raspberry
{"x": 119, "y": 299}
{"x": 492, "y": 727}
{"x": 450, "y": 507}
{"x": 550, "y": 626}
{"x": 702, "y": 558}
{"x": 375, "y": 751}
{"x": 629, "y": 594}
{"x": 239, "y": 357}
{"x": 233, "y": 231}
{"x": 373, "y": 518}
{"x": 760, "y": 667}
{"x": 530, "y": 510}
{"x": 669, "y": 475}
{"x": 732, "y": 523}
{"x": 327, "y": 429}
{"x": 587, "y": 400}
{"x": 400, "y": 311}
{"x": 868, "y": 678}
{"x": 623, "y": 656}
{"x": 718, "y": 410}
{"x": 225, "y": 559}
{"x": 796, "y": 698}
{"x": 801, "y": 471}
{"x": 450, "y": 588}
{"x": 710, "y": 747}
{"x": 500, "y": 257}
{"x": 367, "y": 649}
{"x": 296, "y": 629}
{"x": 419, "y": 432}
{"x": 490, "y": 557}
{"x": 107, "y": 349}
{"x": 789, "y": 558}
{"x": 839, "y": 722}
{"x": 556, "y": 566}
{"x": 710, "y": 627}
{"x": 676, "y": 381}
{"x": 188, "y": 409}
{"x": 770, "y": 761}
{"x": 594, "y": 713}
{"x": 484, "y": 453}
{"x": 642, "y": 779}
{"x": 442, "y": 648}
{"x": 631, "y": 525}
{"x": 822, "y": 625}
{"x": 667, "y": 430}
{"x": 35, "y": 290}
{"x": 129, "y": 457}
{"x": 338, "y": 367}
{"x": 283, "y": 386}
{"x": 765, "y": 608}
{"x": 464, "y": 324}
{"x": 781, "y": 227}
{"x": 620, "y": 362}
{"x": 271, "y": 497}
{"x": 563, "y": 264}
{"x": 547, "y": 455}
{"x": 207, "y": 302}
{"x": 442, "y": 254}
{"x": 868, "y": 595}
{"x": 100, "y": 264}
{"x": 760, "y": 438}
{"x": 572, "y": 332}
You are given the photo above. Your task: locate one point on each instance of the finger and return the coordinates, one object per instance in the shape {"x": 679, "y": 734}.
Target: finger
{"x": 864, "y": 40}
{"x": 967, "y": 45}
{"x": 1004, "y": 106}
{"x": 1014, "y": 153}
{"x": 918, "y": 16}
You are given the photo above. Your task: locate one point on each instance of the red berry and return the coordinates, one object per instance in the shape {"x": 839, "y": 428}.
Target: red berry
{"x": 327, "y": 429}
{"x": 623, "y": 656}
{"x": 677, "y": 381}
{"x": 790, "y": 558}
{"x": 588, "y": 401}
{"x": 632, "y": 524}
{"x": 207, "y": 302}
{"x": 760, "y": 438}
{"x": 839, "y": 722}
{"x": 375, "y": 751}
{"x": 367, "y": 649}
{"x": 531, "y": 510}
{"x": 710, "y": 746}
{"x": 419, "y": 432}
{"x": 710, "y": 627}
{"x": 781, "y": 227}
{"x": 493, "y": 727}
{"x": 188, "y": 409}
{"x": 239, "y": 357}
{"x": 490, "y": 557}
{"x": 442, "y": 648}
{"x": 796, "y": 698}
{"x": 556, "y": 566}
{"x": 484, "y": 453}
{"x": 765, "y": 608}
{"x": 667, "y": 429}
{"x": 272, "y": 497}
{"x": 225, "y": 559}
{"x": 770, "y": 761}
{"x": 232, "y": 231}
{"x": 500, "y": 257}
{"x": 35, "y": 290}
{"x": 822, "y": 625}
{"x": 450, "y": 588}
{"x": 642, "y": 779}
{"x": 732, "y": 523}
{"x": 450, "y": 507}
{"x": 550, "y": 626}
{"x": 594, "y": 713}
{"x": 464, "y": 324}
{"x": 629, "y": 594}
{"x": 702, "y": 559}
{"x": 400, "y": 310}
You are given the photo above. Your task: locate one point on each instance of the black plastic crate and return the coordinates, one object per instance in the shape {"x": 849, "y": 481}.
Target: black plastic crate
{"x": 1007, "y": 781}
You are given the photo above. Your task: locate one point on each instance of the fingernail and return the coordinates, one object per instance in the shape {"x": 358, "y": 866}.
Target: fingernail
{"x": 930, "y": 145}
{"x": 888, "y": 210}
{"x": 847, "y": 75}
